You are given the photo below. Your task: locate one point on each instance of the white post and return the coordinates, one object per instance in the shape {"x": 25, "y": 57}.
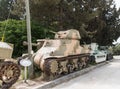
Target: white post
{"x": 30, "y": 69}
{"x": 25, "y": 74}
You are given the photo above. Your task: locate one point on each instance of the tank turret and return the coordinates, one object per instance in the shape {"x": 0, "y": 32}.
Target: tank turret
{"x": 61, "y": 54}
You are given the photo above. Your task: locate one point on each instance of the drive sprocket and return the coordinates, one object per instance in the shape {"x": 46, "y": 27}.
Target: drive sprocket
{"x": 9, "y": 74}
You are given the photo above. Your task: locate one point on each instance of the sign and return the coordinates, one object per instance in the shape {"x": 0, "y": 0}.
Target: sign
{"x": 25, "y": 62}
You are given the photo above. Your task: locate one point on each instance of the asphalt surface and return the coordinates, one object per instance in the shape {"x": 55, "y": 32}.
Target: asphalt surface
{"x": 104, "y": 77}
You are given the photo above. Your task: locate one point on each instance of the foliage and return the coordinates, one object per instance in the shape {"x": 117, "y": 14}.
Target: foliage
{"x": 116, "y": 49}
{"x": 5, "y": 10}
{"x": 15, "y": 33}
{"x": 110, "y": 31}
{"x": 105, "y": 27}
{"x": 99, "y": 17}
{"x": 18, "y": 8}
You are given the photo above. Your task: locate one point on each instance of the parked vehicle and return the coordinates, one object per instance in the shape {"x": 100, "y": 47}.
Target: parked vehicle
{"x": 99, "y": 53}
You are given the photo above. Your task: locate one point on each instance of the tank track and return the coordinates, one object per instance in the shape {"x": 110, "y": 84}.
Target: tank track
{"x": 55, "y": 67}
{"x": 9, "y": 74}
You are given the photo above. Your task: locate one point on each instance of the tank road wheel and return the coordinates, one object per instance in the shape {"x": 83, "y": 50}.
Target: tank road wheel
{"x": 10, "y": 74}
{"x": 87, "y": 61}
{"x": 70, "y": 67}
{"x": 75, "y": 64}
{"x": 83, "y": 60}
{"x": 62, "y": 67}
{"x": 79, "y": 64}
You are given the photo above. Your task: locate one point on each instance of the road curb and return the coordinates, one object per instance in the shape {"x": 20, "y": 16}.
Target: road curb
{"x": 69, "y": 77}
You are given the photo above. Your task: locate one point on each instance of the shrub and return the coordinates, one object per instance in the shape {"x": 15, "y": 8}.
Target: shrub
{"x": 16, "y": 33}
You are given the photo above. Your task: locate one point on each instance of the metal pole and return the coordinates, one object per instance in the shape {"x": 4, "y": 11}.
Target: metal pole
{"x": 25, "y": 74}
{"x": 30, "y": 69}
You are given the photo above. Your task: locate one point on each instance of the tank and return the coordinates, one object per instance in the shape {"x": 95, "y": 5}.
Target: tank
{"x": 9, "y": 70}
{"x": 61, "y": 55}
{"x": 99, "y": 53}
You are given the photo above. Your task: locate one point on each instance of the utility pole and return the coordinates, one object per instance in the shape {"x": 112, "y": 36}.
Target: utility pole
{"x": 30, "y": 68}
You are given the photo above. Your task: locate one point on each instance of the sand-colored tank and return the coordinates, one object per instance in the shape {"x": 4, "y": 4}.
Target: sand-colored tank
{"x": 61, "y": 55}
{"x": 9, "y": 70}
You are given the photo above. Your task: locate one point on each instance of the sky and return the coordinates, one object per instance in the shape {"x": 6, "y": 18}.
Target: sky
{"x": 117, "y": 2}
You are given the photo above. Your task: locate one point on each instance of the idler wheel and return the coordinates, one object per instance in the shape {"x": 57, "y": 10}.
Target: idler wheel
{"x": 53, "y": 66}
{"x": 50, "y": 69}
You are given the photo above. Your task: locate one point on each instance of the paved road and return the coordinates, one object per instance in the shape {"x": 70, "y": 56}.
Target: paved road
{"x": 105, "y": 77}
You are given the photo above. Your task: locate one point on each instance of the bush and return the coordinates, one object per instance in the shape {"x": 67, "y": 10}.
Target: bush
{"x": 16, "y": 33}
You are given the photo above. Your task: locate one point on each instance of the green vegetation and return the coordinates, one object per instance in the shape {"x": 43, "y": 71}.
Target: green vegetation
{"x": 15, "y": 33}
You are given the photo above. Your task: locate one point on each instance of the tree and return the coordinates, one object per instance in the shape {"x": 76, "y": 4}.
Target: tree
{"x": 18, "y": 8}
{"x": 100, "y": 17}
{"x": 106, "y": 24}
{"x": 59, "y": 13}
{"x": 5, "y": 10}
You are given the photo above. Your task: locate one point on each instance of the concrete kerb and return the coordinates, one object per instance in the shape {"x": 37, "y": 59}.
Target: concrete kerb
{"x": 68, "y": 77}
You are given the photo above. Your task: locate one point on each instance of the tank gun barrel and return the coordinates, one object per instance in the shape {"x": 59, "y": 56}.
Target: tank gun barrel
{"x": 53, "y": 32}
{"x": 26, "y": 43}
